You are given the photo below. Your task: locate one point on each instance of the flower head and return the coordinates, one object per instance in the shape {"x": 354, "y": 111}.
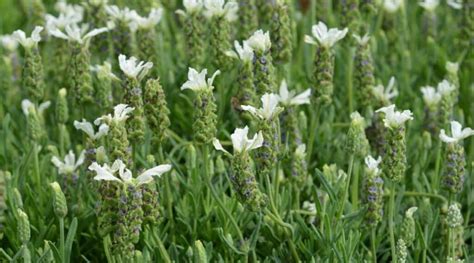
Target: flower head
{"x": 457, "y": 133}
{"x": 260, "y": 41}
{"x": 73, "y": 11}
{"x": 452, "y": 67}
{"x": 323, "y": 36}
{"x": 191, "y": 6}
{"x": 28, "y": 42}
{"x": 27, "y": 106}
{"x": 385, "y": 93}
{"x": 241, "y": 142}
{"x": 197, "y": 80}
{"x": 8, "y": 42}
{"x": 373, "y": 164}
{"x": 74, "y": 33}
{"x": 361, "y": 40}
{"x": 289, "y": 98}
{"x": 152, "y": 20}
{"x": 107, "y": 173}
{"x": 456, "y": 4}
{"x": 70, "y": 164}
{"x": 445, "y": 88}
{"x": 430, "y": 96}
{"x": 127, "y": 16}
{"x": 269, "y": 107}
{"x": 429, "y": 5}
{"x": 244, "y": 51}
{"x": 132, "y": 68}
{"x": 392, "y": 6}
{"x": 87, "y": 128}
{"x": 394, "y": 119}
{"x": 218, "y": 8}
{"x": 104, "y": 71}
{"x": 121, "y": 112}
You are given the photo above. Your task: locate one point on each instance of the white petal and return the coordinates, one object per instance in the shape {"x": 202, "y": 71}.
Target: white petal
{"x": 239, "y": 139}
{"x": 85, "y": 126}
{"x": 302, "y": 98}
{"x": 218, "y": 146}
{"x": 102, "y": 173}
{"x": 81, "y": 159}
{"x": 446, "y": 138}
{"x": 456, "y": 129}
{"x": 147, "y": 176}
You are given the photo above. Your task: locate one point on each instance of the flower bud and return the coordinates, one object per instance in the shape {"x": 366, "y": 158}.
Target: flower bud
{"x": 59, "y": 201}
{"x": 200, "y": 255}
{"x": 23, "y": 226}
{"x": 408, "y": 227}
{"x": 62, "y": 110}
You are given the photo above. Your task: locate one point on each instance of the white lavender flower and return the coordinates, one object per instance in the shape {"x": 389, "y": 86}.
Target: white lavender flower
{"x": 107, "y": 173}
{"x": 362, "y": 40}
{"x": 28, "y": 42}
{"x": 191, "y": 6}
{"x": 429, "y": 5}
{"x": 452, "y": 67}
{"x": 260, "y": 41}
{"x": 61, "y": 21}
{"x": 27, "y": 105}
{"x": 197, "y": 80}
{"x": 219, "y": 8}
{"x": 151, "y": 21}
{"x": 104, "y": 71}
{"x": 88, "y": 129}
{"x": 269, "y": 107}
{"x": 430, "y": 96}
{"x": 373, "y": 164}
{"x": 241, "y": 142}
{"x": 385, "y": 93}
{"x": 289, "y": 98}
{"x": 70, "y": 164}
{"x": 69, "y": 9}
{"x": 132, "y": 68}
{"x": 445, "y": 88}
{"x": 323, "y": 36}
{"x": 124, "y": 15}
{"x": 456, "y": 4}
{"x": 121, "y": 112}
{"x": 394, "y": 119}
{"x": 74, "y": 33}
{"x": 243, "y": 52}
{"x": 392, "y": 6}
{"x": 8, "y": 42}
{"x": 310, "y": 207}
{"x": 457, "y": 133}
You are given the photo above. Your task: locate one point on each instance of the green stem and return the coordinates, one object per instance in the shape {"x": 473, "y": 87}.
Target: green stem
{"x": 391, "y": 225}
{"x": 61, "y": 237}
{"x": 350, "y": 69}
{"x": 355, "y": 189}
{"x": 164, "y": 253}
{"x": 215, "y": 195}
{"x": 346, "y": 190}
{"x": 437, "y": 168}
{"x": 436, "y": 196}
{"x": 36, "y": 163}
{"x": 312, "y": 132}
{"x": 372, "y": 242}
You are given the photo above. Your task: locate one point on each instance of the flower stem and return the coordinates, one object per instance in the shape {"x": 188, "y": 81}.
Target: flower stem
{"x": 391, "y": 211}
{"x": 372, "y": 242}
{"x": 312, "y": 132}
{"x": 214, "y": 193}
{"x": 348, "y": 182}
{"x": 61, "y": 237}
